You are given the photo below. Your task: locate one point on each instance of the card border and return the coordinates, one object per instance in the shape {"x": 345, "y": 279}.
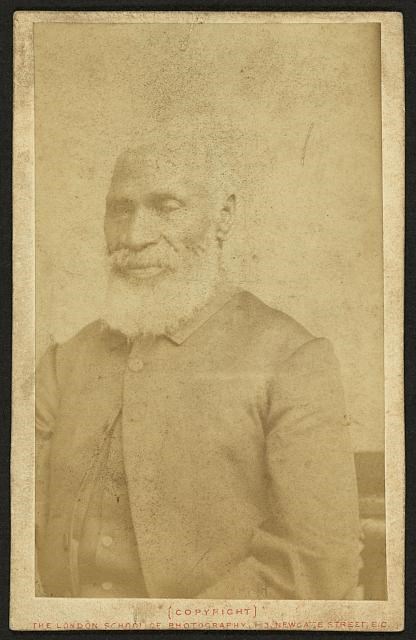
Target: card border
{"x": 393, "y": 222}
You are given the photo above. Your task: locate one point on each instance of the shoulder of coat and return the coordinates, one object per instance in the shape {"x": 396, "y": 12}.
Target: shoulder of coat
{"x": 90, "y": 333}
{"x": 273, "y": 323}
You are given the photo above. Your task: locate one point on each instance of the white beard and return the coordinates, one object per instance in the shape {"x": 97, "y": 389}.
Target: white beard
{"x": 138, "y": 308}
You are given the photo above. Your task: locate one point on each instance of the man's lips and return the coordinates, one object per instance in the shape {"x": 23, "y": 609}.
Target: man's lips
{"x": 146, "y": 270}
{"x": 141, "y": 271}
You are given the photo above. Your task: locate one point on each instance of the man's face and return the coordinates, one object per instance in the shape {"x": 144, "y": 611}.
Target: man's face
{"x": 166, "y": 217}
{"x": 160, "y": 210}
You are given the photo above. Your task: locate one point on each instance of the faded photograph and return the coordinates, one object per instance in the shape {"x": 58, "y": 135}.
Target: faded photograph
{"x": 209, "y": 312}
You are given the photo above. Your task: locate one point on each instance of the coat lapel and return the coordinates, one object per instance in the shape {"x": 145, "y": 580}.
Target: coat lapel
{"x": 91, "y": 404}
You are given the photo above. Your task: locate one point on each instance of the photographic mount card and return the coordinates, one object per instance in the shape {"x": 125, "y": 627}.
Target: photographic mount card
{"x": 208, "y": 314}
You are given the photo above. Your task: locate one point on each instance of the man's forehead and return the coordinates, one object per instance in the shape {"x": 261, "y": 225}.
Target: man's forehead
{"x": 180, "y": 157}
{"x": 158, "y": 166}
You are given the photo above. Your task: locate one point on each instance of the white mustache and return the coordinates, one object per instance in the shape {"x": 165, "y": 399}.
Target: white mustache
{"x": 124, "y": 259}
{"x": 164, "y": 257}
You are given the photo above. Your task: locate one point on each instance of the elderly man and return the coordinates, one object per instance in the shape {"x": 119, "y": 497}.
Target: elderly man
{"x": 192, "y": 442}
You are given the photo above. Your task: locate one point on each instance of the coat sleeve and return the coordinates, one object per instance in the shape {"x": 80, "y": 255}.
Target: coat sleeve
{"x": 309, "y": 546}
{"x": 47, "y": 402}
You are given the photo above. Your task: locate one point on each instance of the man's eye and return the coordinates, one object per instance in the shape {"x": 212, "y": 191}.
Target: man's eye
{"x": 119, "y": 212}
{"x": 167, "y": 206}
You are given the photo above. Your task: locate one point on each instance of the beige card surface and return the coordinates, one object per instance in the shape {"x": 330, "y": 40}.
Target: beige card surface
{"x": 208, "y": 296}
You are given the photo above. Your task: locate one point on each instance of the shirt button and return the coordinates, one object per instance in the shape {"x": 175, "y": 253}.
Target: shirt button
{"x": 136, "y": 364}
{"x": 107, "y": 586}
{"x": 106, "y": 541}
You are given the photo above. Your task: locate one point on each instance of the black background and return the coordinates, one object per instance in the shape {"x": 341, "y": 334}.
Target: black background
{"x": 7, "y": 7}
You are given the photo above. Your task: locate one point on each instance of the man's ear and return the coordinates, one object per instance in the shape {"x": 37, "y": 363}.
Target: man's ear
{"x": 226, "y": 218}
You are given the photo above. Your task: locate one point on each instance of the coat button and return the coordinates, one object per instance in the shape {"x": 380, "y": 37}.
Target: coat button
{"x": 106, "y": 541}
{"x": 107, "y": 586}
{"x": 136, "y": 364}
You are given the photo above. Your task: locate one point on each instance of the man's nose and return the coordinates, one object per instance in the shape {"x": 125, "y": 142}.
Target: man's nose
{"x": 143, "y": 228}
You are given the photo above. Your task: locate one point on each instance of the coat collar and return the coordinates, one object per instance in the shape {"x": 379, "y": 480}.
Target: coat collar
{"x": 223, "y": 295}
{"x": 219, "y": 300}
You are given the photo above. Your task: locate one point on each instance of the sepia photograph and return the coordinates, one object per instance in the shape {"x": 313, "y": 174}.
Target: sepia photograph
{"x": 208, "y": 266}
